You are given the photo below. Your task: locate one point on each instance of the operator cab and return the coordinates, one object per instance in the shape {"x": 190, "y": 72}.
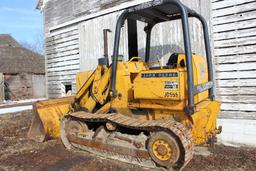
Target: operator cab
{"x": 153, "y": 13}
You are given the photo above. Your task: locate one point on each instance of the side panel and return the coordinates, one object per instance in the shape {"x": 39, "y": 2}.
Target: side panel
{"x": 171, "y": 84}
{"x": 161, "y": 84}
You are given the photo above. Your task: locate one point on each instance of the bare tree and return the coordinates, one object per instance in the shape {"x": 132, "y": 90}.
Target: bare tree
{"x": 37, "y": 45}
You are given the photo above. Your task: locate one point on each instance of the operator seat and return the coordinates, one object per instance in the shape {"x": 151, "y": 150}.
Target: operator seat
{"x": 172, "y": 62}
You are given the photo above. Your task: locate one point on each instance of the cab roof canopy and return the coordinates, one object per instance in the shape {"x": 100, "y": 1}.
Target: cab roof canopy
{"x": 159, "y": 11}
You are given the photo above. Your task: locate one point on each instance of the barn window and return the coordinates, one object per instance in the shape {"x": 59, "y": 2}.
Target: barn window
{"x": 67, "y": 89}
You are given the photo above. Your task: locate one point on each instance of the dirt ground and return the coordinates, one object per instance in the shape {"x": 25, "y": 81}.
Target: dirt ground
{"x": 19, "y": 153}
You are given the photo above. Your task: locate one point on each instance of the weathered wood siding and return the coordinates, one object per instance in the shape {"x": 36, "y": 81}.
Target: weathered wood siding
{"x": 77, "y": 46}
{"x": 57, "y": 12}
{"x": 234, "y": 31}
{"x": 91, "y": 40}
{"x": 166, "y": 37}
{"x": 62, "y": 54}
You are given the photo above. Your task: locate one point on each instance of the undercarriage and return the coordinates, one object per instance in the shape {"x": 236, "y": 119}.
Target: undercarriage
{"x": 153, "y": 144}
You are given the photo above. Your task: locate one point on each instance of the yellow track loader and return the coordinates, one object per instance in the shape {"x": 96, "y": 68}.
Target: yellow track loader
{"x": 135, "y": 112}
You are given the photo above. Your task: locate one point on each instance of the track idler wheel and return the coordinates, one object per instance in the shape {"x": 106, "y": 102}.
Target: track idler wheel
{"x": 163, "y": 149}
{"x": 74, "y": 127}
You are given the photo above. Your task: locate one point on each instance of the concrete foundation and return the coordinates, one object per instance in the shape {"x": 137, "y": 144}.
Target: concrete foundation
{"x": 238, "y": 131}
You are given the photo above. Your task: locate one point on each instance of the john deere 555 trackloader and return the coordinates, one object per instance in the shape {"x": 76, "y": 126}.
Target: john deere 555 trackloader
{"x": 131, "y": 111}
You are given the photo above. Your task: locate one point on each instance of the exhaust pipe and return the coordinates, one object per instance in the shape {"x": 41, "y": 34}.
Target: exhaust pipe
{"x": 105, "y": 35}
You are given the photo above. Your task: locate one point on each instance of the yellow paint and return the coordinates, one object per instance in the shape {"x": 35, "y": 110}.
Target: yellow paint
{"x": 204, "y": 121}
{"x": 147, "y": 94}
{"x": 164, "y": 154}
{"x": 135, "y": 91}
{"x": 104, "y": 109}
{"x": 83, "y": 82}
{"x": 50, "y": 112}
{"x": 102, "y": 77}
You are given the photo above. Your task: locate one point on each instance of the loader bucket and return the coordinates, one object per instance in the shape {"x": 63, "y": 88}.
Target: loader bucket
{"x": 46, "y": 122}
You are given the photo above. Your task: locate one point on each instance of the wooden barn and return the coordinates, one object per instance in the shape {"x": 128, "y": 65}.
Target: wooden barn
{"x": 74, "y": 41}
{"x": 23, "y": 71}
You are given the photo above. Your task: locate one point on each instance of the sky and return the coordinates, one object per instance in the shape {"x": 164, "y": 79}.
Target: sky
{"x": 20, "y": 19}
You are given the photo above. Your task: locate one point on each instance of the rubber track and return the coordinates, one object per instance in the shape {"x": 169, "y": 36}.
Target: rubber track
{"x": 176, "y": 128}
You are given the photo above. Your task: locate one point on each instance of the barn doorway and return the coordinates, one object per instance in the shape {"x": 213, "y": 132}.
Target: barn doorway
{"x": 6, "y": 91}
{"x": 66, "y": 89}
